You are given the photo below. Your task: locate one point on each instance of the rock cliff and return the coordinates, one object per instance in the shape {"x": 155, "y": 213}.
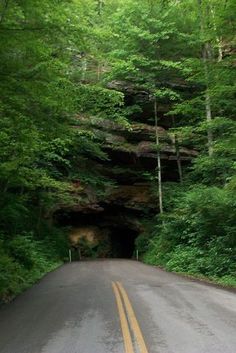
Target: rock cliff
{"x": 132, "y": 158}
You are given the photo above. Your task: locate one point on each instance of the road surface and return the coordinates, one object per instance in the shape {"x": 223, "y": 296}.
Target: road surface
{"x": 119, "y": 306}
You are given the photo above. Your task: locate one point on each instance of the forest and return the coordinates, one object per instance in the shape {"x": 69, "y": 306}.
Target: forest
{"x": 70, "y": 69}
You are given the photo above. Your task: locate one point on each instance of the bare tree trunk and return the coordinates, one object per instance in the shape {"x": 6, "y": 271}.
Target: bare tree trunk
{"x": 179, "y": 164}
{"x": 206, "y": 56}
{"x": 98, "y": 71}
{"x": 160, "y": 195}
{"x": 84, "y": 68}
{"x": 177, "y": 152}
{"x": 218, "y": 39}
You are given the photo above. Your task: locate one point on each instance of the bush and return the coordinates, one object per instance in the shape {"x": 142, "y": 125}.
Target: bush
{"x": 198, "y": 236}
{"x": 25, "y": 250}
{"x": 185, "y": 259}
{"x": 11, "y": 275}
{"x": 23, "y": 260}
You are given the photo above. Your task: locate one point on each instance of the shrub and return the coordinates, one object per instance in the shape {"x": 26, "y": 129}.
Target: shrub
{"x": 23, "y": 260}
{"x": 198, "y": 236}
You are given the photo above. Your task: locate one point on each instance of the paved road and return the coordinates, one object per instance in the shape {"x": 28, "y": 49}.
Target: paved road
{"x": 77, "y": 309}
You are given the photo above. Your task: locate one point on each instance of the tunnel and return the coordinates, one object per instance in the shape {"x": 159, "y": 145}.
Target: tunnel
{"x": 117, "y": 236}
{"x": 122, "y": 242}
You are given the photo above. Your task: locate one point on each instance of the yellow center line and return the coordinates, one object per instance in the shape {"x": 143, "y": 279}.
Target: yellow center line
{"x": 123, "y": 321}
{"x": 133, "y": 320}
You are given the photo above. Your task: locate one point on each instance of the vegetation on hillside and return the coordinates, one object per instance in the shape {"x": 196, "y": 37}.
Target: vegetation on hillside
{"x": 43, "y": 88}
{"x": 57, "y": 58}
{"x": 170, "y": 47}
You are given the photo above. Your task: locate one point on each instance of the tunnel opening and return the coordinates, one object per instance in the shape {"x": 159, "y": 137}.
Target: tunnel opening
{"x": 108, "y": 234}
{"x": 122, "y": 242}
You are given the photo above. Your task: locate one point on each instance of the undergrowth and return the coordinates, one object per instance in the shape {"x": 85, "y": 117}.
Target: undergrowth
{"x": 197, "y": 237}
{"x": 25, "y": 259}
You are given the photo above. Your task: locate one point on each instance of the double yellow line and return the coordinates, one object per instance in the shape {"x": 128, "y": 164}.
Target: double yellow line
{"x": 128, "y": 320}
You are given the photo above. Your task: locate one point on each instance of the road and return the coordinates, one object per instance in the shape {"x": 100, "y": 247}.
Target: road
{"x": 119, "y": 306}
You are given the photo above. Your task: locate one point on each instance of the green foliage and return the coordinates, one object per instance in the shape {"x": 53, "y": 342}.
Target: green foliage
{"x": 47, "y": 53}
{"x": 198, "y": 236}
{"x": 100, "y": 101}
{"x": 24, "y": 260}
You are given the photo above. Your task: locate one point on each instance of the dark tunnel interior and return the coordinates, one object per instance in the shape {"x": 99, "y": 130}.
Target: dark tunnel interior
{"x": 122, "y": 242}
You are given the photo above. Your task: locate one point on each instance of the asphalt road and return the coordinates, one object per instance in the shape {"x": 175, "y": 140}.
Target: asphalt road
{"x": 119, "y": 306}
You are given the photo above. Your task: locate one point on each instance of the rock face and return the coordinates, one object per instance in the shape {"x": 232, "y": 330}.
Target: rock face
{"x": 134, "y": 197}
{"x": 133, "y": 147}
{"x": 132, "y": 158}
{"x": 137, "y": 139}
{"x": 91, "y": 234}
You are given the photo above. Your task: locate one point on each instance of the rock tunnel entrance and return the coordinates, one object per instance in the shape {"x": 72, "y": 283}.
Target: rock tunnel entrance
{"x": 109, "y": 234}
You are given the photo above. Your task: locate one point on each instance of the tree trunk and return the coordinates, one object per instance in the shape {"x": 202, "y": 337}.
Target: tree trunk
{"x": 206, "y": 56}
{"x": 98, "y": 72}
{"x": 177, "y": 152}
{"x": 84, "y": 69}
{"x": 160, "y": 195}
{"x": 218, "y": 39}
